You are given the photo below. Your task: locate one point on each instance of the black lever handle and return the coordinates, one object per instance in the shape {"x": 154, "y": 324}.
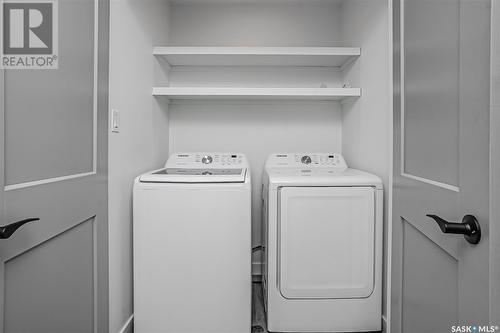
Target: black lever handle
{"x": 469, "y": 227}
{"x": 8, "y": 230}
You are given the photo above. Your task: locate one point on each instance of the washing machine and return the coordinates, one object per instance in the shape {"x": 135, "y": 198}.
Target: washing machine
{"x": 322, "y": 251}
{"x": 192, "y": 245}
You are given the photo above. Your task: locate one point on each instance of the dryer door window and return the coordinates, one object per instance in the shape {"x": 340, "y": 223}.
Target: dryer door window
{"x": 326, "y": 242}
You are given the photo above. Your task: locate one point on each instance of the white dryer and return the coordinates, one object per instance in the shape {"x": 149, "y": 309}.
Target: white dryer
{"x": 322, "y": 253}
{"x": 192, "y": 245}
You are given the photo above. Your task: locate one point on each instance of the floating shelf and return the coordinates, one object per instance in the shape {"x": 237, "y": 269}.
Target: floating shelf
{"x": 258, "y": 56}
{"x": 320, "y": 94}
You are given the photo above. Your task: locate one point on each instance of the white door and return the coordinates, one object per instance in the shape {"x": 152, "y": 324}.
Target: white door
{"x": 53, "y": 271}
{"x": 441, "y": 166}
{"x": 326, "y": 242}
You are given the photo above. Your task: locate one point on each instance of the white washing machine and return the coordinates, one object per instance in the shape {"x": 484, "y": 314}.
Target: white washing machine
{"x": 322, "y": 253}
{"x": 192, "y": 245}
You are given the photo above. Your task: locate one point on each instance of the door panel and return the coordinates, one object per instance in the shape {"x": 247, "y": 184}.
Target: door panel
{"x": 441, "y": 163}
{"x": 422, "y": 199}
{"x": 431, "y": 43}
{"x": 53, "y": 162}
{"x": 326, "y": 242}
{"x": 427, "y": 267}
{"x": 51, "y": 133}
{"x": 69, "y": 255}
{"x": 33, "y": 202}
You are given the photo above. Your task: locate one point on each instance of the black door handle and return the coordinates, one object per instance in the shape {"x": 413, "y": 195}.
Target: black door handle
{"x": 8, "y": 230}
{"x": 469, "y": 227}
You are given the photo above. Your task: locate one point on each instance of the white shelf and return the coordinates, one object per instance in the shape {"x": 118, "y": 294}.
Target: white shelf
{"x": 258, "y": 56}
{"x": 320, "y": 94}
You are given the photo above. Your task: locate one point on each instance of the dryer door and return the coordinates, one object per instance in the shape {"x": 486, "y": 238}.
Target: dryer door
{"x": 326, "y": 242}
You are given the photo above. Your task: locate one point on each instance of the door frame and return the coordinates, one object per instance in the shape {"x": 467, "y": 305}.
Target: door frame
{"x": 101, "y": 311}
{"x": 495, "y": 166}
{"x": 494, "y": 228}
{"x": 2, "y": 166}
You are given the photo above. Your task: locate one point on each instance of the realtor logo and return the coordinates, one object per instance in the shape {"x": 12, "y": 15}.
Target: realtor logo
{"x": 29, "y": 34}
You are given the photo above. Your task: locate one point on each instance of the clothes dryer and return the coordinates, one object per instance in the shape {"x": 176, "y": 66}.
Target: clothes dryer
{"x": 322, "y": 253}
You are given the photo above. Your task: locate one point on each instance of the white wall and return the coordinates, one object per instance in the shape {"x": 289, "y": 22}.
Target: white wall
{"x": 256, "y": 129}
{"x": 142, "y": 143}
{"x": 367, "y": 123}
{"x": 255, "y": 23}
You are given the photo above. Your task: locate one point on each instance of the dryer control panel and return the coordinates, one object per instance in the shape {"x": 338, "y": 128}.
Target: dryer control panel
{"x": 301, "y": 160}
{"x": 206, "y": 160}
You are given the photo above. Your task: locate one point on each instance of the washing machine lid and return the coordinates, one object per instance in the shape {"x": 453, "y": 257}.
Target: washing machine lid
{"x": 326, "y": 242}
{"x": 201, "y": 167}
{"x": 195, "y": 175}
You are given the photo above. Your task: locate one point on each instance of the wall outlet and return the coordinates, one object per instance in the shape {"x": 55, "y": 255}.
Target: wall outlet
{"x": 115, "y": 121}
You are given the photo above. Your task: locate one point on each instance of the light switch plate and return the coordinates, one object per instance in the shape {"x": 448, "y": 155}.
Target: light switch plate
{"x": 115, "y": 121}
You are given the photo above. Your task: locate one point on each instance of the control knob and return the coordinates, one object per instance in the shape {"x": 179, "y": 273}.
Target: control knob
{"x": 206, "y": 159}
{"x": 306, "y": 159}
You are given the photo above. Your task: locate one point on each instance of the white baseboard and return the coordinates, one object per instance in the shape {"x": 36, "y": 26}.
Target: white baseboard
{"x": 128, "y": 327}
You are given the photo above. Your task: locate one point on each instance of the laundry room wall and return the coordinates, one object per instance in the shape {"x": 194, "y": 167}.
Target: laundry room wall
{"x": 142, "y": 141}
{"x": 151, "y": 128}
{"x": 367, "y": 122}
{"x": 255, "y": 128}
{"x": 255, "y": 23}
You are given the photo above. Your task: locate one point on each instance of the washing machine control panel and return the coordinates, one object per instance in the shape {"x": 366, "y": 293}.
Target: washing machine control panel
{"x": 306, "y": 159}
{"x": 331, "y": 160}
{"x": 207, "y": 160}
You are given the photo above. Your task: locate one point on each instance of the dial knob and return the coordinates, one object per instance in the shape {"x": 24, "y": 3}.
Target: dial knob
{"x": 207, "y": 159}
{"x": 306, "y": 159}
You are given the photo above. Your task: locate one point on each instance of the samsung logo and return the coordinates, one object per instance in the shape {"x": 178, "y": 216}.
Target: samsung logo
{"x": 281, "y": 155}
{"x": 182, "y": 155}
